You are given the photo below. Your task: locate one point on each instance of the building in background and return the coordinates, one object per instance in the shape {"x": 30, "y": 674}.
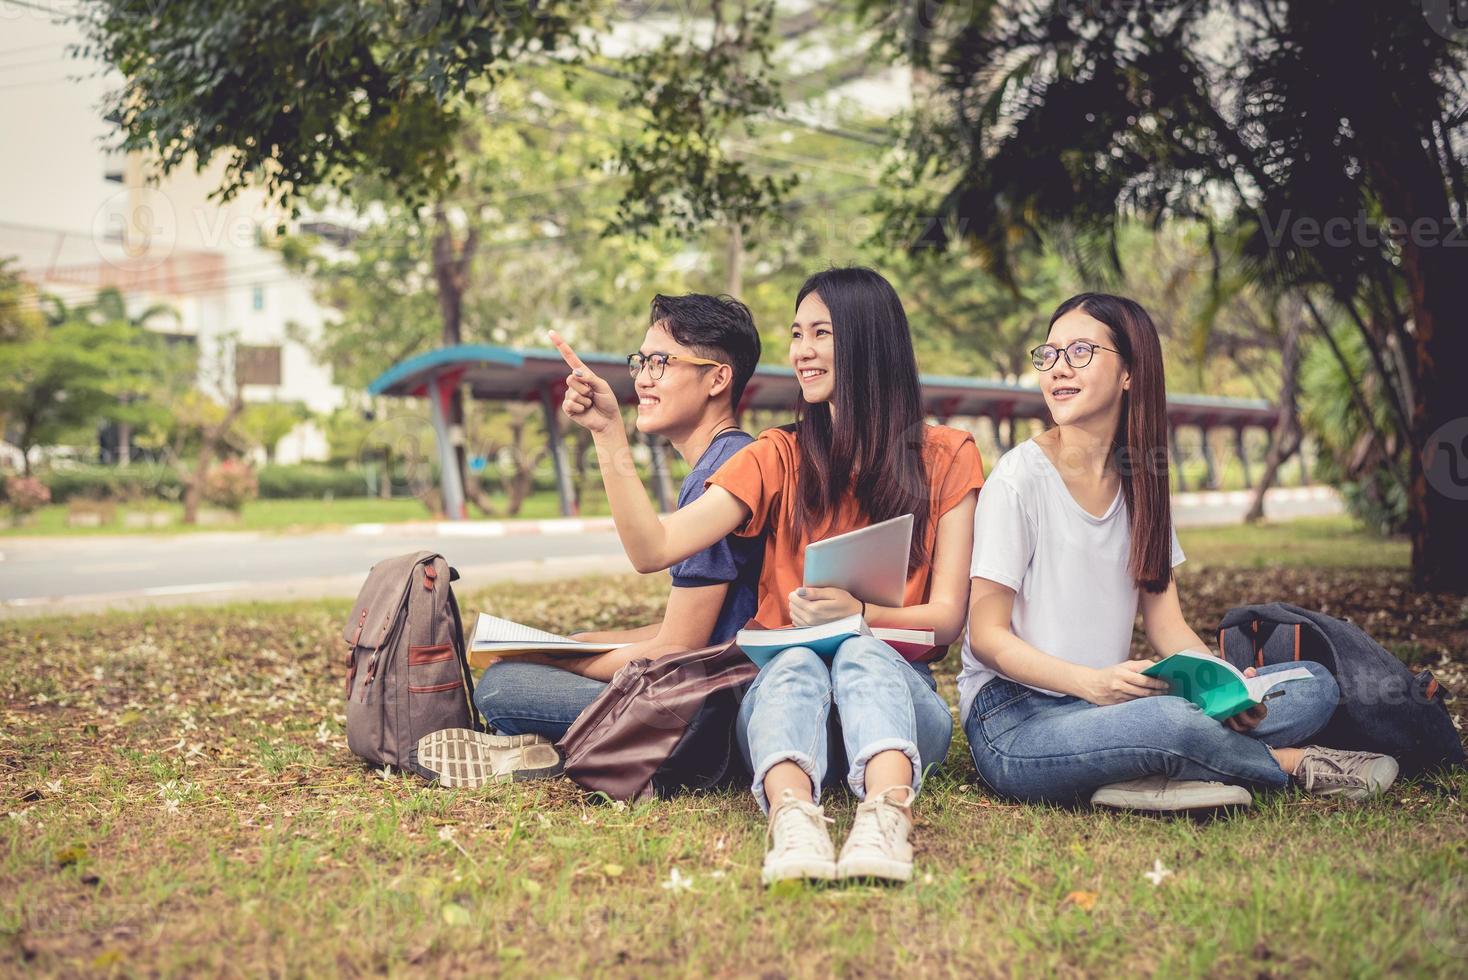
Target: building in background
{"x": 77, "y": 218}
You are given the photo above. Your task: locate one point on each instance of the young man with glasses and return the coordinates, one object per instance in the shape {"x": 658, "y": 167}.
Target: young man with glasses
{"x": 699, "y": 353}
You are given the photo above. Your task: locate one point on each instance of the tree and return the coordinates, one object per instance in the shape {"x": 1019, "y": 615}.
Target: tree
{"x": 1328, "y": 128}
{"x": 298, "y": 95}
{"x": 266, "y": 423}
{"x": 61, "y": 380}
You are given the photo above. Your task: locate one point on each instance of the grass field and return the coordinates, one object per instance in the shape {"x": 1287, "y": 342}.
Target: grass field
{"x": 179, "y": 799}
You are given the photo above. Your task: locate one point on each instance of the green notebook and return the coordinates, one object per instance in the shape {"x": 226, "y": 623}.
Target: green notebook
{"x": 1217, "y": 686}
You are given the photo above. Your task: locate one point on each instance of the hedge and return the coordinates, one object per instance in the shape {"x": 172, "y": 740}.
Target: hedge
{"x": 143, "y": 481}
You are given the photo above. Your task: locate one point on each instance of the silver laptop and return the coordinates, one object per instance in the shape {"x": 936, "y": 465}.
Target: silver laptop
{"x": 870, "y": 562}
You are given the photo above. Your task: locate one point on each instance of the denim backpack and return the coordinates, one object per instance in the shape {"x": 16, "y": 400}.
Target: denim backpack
{"x": 1384, "y": 707}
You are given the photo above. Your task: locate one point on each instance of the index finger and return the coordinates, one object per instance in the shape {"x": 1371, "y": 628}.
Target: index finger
{"x": 567, "y": 354}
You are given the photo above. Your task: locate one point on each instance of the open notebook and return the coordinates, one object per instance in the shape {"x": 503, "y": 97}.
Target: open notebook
{"x": 495, "y": 637}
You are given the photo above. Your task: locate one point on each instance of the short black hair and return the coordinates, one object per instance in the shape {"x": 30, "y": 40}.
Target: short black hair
{"x": 717, "y": 327}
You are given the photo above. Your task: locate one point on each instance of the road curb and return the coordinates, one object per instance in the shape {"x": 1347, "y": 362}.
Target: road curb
{"x": 488, "y": 529}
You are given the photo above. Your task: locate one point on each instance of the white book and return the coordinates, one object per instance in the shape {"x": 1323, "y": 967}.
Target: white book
{"x": 496, "y": 637}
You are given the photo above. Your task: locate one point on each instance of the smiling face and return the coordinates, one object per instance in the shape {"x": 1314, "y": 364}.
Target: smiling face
{"x": 813, "y": 350}
{"x": 1076, "y": 395}
{"x": 675, "y": 402}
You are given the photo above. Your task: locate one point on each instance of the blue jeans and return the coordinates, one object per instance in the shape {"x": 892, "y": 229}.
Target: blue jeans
{"x": 533, "y": 699}
{"x": 882, "y": 703}
{"x": 1031, "y": 746}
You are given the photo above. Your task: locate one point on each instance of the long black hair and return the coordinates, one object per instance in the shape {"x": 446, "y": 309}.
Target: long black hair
{"x": 874, "y": 447}
{"x": 1139, "y": 445}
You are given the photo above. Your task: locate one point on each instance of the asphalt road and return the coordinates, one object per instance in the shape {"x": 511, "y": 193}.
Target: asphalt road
{"x": 77, "y": 573}
{"x": 73, "y": 574}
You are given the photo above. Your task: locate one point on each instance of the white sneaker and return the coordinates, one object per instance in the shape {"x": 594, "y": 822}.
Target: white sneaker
{"x": 1161, "y": 794}
{"x": 1343, "y": 773}
{"x": 468, "y": 759}
{"x": 877, "y": 846}
{"x": 798, "y": 843}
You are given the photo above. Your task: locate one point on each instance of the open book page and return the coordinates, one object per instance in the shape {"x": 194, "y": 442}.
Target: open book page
{"x": 1258, "y": 685}
{"x": 492, "y": 629}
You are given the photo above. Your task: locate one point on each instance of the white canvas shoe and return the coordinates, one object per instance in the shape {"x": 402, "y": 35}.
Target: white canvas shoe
{"x": 798, "y": 845}
{"x": 1160, "y": 794}
{"x": 877, "y": 846}
{"x": 465, "y": 758}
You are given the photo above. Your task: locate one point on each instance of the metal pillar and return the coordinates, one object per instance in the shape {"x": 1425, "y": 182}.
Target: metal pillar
{"x": 1211, "y": 471}
{"x": 440, "y": 390}
{"x": 558, "y": 454}
{"x": 1243, "y": 456}
{"x": 1177, "y": 459}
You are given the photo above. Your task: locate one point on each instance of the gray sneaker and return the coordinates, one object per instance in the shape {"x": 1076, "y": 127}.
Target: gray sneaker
{"x": 1160, "y": 794}
{"x": 1343, "y": 773}
{"x": 465, "y": 758}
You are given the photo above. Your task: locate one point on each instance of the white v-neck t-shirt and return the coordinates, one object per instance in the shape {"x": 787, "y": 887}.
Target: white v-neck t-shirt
{"x": 1073, "y": 597}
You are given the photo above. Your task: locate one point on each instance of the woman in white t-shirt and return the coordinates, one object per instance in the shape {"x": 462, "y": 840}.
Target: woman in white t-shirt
{"x": 1072, "y": 534}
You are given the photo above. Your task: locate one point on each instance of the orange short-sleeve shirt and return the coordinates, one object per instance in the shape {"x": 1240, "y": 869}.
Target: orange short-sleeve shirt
{"x": 763, "y": 476}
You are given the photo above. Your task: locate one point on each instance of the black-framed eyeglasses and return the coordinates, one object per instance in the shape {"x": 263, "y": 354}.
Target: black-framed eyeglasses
{"x": 657, "y": 363}
{"x": 1078, "y": 354}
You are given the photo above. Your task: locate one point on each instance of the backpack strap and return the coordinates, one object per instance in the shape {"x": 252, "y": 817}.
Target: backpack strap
{"x": 463, "y": 652}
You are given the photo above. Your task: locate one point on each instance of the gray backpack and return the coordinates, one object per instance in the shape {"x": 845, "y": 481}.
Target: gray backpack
{"x": 407, "y": 671}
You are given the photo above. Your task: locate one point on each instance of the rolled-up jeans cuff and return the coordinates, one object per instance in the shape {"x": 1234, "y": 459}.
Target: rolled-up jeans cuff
{"x": 806, "y": 764}
{"x": 856, "y": 778}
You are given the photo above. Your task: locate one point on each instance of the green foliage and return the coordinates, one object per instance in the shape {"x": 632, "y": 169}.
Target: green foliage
{"x": 88, "y": 365}
{"x": 296, "y": 94}
{"x": 138, "y": 481}
{"x": 266, "y": 423}
{"x": 303, "y": 481}
{"x": 694, "y": 95}
{"x": 1357, "y": 460}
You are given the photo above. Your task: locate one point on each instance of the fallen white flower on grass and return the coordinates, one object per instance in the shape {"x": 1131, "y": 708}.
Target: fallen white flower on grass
{"x": 1157, "y": 873}
{"x": 677, "y": 882}
{"x": 323, "y": 733}
{"x": 170, "y": 806}
{"x": 385, "y": 772}
{"x": 446, "y": 833}
{"x": 53, "y": 787}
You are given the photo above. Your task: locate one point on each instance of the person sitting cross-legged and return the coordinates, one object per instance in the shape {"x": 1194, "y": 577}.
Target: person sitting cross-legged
{"x": 692, "y": 367}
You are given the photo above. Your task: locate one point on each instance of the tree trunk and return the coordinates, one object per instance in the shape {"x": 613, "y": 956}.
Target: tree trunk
{"x": 451, "y": 264}
{"x": 734, "y": 279}
{"x": 1412, "y": 188}
{"x": 212, "y": 436}
{"x": 1285, "y": 440}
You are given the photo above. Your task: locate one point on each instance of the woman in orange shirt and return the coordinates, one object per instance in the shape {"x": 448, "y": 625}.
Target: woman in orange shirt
{"x": 859, "y": 453}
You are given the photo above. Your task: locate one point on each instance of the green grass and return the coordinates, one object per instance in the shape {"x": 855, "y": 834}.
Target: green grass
{"x": 282, "y": 515}
{"x": 179, "y": 799}
{"x": 1307, "y": 542}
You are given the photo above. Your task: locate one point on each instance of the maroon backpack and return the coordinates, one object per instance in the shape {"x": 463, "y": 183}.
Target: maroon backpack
{"x": 407, "y": 672}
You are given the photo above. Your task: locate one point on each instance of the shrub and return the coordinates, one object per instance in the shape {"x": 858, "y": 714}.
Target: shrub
{"x": 304, "y": 480}
{"x": 230, "y": 484}
{"x": 137, "y": 481}
{"x": 26, "y": 494}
